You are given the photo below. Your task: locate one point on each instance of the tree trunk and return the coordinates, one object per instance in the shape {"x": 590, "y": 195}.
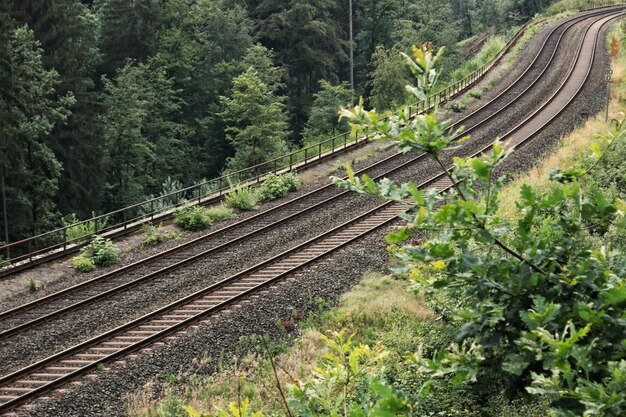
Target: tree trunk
{"x": 351, "y": 48}
{"x": 5, "y": 216}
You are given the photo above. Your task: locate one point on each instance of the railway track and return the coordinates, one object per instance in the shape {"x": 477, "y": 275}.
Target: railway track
{"x": 158, "y": 266}
{"x": 51, "y": 372}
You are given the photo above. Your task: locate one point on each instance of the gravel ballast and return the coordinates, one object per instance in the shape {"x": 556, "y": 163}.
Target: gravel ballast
{"x": 102, "y": 396}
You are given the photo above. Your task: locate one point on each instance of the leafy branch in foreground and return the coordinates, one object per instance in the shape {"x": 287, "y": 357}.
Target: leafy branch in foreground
{"x": 545, "y": 312}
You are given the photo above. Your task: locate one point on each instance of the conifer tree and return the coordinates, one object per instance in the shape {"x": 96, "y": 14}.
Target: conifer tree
{"x": 31, "y": 108}
{"x": 144, "y": 142}
{"x": 323, "y": 121}
{"x": 256, "y": 122}
{"x": 69, "y": 35}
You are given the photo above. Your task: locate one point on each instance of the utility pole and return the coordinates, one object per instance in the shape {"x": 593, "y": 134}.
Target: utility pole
{"x": 351, "y": 47}
{"x": 607, "y": 76}
{"x": 5, "y": 217}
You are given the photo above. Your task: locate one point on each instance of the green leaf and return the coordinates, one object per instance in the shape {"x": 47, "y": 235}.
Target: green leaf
{"x": 481, "y": 169}
{"x": 615, "y": 295}
{"x": 370, "y": 184}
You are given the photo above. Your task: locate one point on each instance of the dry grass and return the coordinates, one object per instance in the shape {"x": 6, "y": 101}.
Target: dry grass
{"x": 574, "y": 147}
{"x": 569, "y": 151}
{"x": 250, "y": 377}
{"x": 380, "y": 295}
{"x": 376, "y": 296}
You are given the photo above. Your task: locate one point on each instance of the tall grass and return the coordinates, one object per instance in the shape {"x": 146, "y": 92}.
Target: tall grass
{"x": 564, "y": 5}
{"x": 489, "y": 50}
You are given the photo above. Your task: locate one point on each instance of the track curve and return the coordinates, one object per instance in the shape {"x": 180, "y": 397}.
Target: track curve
{"x": 56, "y": 370}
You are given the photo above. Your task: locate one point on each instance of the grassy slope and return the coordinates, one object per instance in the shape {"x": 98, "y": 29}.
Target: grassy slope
{"x": 382, "y": 311}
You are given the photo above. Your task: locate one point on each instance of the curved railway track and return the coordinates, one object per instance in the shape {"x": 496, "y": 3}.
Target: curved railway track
{"x": 158, "y": 266}
{"x": 57, "y": 369}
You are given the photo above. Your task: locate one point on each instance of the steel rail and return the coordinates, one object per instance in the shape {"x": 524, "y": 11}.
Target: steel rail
{"x": 39, "y": 256}
{"x": 180, "y": 263}
{"x": 266, "y": 274}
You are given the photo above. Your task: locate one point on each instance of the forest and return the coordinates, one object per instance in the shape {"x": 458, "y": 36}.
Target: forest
{"x": 103, "y": 103}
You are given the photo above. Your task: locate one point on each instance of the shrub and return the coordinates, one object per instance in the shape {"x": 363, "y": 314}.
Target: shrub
{"x": 32, "y": 285}
{"x": 83, "y": 264}
{"x": 101, "y": 251}
{"x": 193, "y": 219}
{"x": 541, "y": 310}
{"x": 276, "y": 186}
{"x": 458, "y": 106}
{"x": 220, "y": 213}
{"x": 292, "y": 180}
{"x": 76, "y": 231}
{"x": 475, "y": 94}
{"x": 241, "y": 198}
{"x": 155, "y": 236}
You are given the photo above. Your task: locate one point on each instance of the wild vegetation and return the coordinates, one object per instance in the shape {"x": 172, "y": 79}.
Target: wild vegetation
{"x": 529, "y": 300}
{"x": 119, "y": 98}
{"x": 99, "y": 252}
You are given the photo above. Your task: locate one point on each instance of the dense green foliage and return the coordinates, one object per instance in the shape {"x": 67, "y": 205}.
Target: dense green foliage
{"x": 104, "y": 100}
{"x": 241, "y": 198}
{"x": 540, "y": 308}
{"x": 276, "y": 186}
{"x": 99, "y": 252}
{"x": 192, "y": 218}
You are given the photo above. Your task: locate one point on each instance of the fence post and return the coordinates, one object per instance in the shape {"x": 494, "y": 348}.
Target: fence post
{"x": 305, "y": 155}
{"x": 123, "y": 219}
{"x": 30, "y": 251}
{"x": 320, "y": 152}
{"x": 65, "y": 238}
{"x": 345, "y": 140}
{"x": 275, "y": 166}
{"x": 290, "y": 161}
{"x": 333, "y": 145}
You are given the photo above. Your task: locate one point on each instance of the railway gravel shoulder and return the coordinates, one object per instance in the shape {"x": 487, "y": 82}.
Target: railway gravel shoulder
{"x": 103, "y": 395}
{"x": 78, "y": 326}
{"x": 135, "y": 255}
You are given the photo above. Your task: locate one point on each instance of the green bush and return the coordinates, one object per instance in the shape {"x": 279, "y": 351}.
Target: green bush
{"x": 83, "y": 264}
{"x": 193, "y": 219}
{"x": 32, "y": 285}
{"x": 82, "y": 229}
{"x": 241, "y": 198}
{"x": 292, "y": 180}
{"x": 475, "y": 94}
{"x": 220, "y": 213}
{"x": 101, "y": 251}
{"x": 458, "y": 106}
{"x": 155, "y": 236}
{"x": 276, "y": 186}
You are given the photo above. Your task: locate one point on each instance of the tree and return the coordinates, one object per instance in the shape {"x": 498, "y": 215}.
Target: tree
{"x": 542, "y": 312}
{"x": 323, "y": 122}
{"x": 71, "y": 46}
{"x": 374, "y": 22}
{"x": 263, "y": 61}
{"x": 256, "y": 122}
{"x": 144, "y": 143}
{"x": 129, "y": 30}
{"x": 202, "y": 49}
{"x": 309, "y": 43}
{"x": 387, "y": 79}
{"x": 29, "y": 171}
